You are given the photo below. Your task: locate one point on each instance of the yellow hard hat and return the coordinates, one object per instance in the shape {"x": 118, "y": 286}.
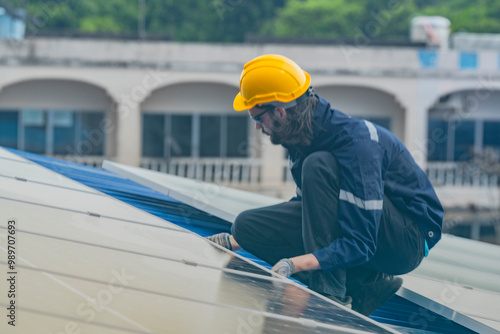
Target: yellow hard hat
{"x": 270, "y": 79}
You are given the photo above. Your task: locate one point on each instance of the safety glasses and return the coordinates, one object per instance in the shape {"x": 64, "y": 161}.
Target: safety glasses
{"x": 258, "y": 118}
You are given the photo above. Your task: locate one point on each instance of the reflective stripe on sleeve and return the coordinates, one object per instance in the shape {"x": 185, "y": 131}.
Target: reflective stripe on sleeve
{"x": 365, "y": 205}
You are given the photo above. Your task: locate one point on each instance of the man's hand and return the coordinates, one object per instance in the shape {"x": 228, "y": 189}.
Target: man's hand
{"x": 221, "y": 239}
{"x": 287, "y": 267}
{"x": 284, "y": 267}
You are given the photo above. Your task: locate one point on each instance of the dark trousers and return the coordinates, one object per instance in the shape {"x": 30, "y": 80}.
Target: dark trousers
{"x": 300, "y": 227}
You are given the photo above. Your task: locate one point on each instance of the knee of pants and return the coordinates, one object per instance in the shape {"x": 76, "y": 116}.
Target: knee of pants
{"x": 320, "y": 161}
{"x": 242, "y": 226}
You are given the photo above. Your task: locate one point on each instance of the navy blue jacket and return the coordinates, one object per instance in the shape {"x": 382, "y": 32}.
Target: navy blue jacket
{"x": 373, "y": 162}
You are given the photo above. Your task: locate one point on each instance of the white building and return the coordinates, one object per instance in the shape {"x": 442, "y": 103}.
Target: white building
{"x": 168, "y": 106}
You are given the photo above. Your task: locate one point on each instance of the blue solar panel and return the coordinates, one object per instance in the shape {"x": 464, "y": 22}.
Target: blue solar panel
{"x": 401, "y": 312}
{"x": 397, "y": 311}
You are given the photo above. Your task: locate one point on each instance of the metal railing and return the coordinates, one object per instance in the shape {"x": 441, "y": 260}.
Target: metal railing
{"x": 460, "y": 174}
{"x": 218, "y": 170}
{"x": 442, "y": 174}
{"x": 248, "y": 171}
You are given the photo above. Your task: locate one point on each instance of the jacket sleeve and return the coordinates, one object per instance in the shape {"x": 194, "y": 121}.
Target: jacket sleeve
{"x": 359, "y": 205}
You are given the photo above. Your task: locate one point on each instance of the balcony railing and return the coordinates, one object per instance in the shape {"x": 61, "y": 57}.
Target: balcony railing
{"x": 248, "y": 171}
{"x": 460, "y": 174}
{"x": 443, "y": 174}
{"x": 218, "y": 170}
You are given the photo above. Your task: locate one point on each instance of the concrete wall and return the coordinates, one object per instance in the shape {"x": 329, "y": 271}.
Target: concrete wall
{"x": 192, "y": 96}
{"x": 55, "y": 94}
{"x": 125, "y": 78}
{"x": 366, "y": 102}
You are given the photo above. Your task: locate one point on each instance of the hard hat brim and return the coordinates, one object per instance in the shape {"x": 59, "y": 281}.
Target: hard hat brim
{"x": 239, "y": 103}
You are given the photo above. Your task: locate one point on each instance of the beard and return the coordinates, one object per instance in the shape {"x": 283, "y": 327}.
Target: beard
{"x": 296, "y": 129}
{"x": 286, "y": 133}
{"x": 275, "y": 135}
{"x": 276, "y": 138}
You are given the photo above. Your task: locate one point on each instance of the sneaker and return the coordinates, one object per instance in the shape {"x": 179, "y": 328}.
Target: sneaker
{"x": 375, "y": 292}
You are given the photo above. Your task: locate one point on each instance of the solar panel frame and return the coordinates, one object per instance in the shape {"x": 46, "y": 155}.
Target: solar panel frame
{"x": 13, "y": 169}
{"x": 472, "y": 308}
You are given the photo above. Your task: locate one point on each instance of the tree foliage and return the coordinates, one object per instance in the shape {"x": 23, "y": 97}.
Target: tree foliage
{"x": 232, "y": 20}
{"x": 342, "y": 19}
{"x": 481, "y": 16}
{"x": 187, "y": 20}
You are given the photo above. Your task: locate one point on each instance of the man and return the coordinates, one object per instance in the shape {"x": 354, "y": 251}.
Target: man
{"x": 364, "y": 210}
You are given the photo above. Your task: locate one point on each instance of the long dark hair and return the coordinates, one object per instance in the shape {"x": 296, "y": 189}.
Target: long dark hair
{"x": 297, "y": 129}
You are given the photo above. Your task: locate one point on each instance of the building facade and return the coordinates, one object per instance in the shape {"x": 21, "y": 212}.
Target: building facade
{"x": 168, "y": 106}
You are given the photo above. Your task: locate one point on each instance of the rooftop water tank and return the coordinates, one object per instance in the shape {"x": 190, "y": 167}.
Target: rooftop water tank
{"x": 432, "y": 30}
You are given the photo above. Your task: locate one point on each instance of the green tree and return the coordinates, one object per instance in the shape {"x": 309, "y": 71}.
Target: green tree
{"x": 187, "y": 20}
{"x": 85, "y": 16}
{"x": 342, "y": 19}
{"x": 232, "y": 20}
{"x": 481, "y": 16}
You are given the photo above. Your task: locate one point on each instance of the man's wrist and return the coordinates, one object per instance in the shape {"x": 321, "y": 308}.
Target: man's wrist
{"x": 305, "y": 262}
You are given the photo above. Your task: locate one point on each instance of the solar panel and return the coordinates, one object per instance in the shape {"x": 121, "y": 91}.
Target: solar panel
{"x": 220, "y": 201}
{"x": 112, "y": 234}
{"x": 34, "y": 173}
{"x": 87, "y": 261}
{"x": 478, "y": 268}
{"x": 143, "y": 311}
{"x": 481, "y": 308}
{"x": 463, "y": 261}
{"x": 4, "y": 154}
{"x": 75, "y": 201}
{"x": 469, "y": 247}
{"x": 44, "y": 322}
{"x": 199, "y": 284}
{"x": 459, "y": 274}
